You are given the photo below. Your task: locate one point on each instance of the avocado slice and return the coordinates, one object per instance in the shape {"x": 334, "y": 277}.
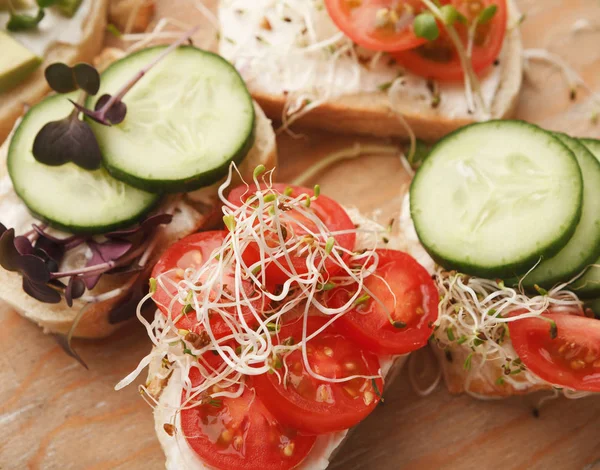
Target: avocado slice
{"x": 68, "y": 7}
{"x": 16, "y": 62}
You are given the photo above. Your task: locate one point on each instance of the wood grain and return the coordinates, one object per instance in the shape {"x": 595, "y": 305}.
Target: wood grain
{"x": 56, "y": 415}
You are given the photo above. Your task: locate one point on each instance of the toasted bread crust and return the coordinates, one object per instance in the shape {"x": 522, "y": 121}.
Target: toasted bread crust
{"x": 35, "y": 87}
{"x": 371, "y": 114}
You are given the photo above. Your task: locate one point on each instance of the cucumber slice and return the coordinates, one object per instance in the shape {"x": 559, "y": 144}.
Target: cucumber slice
{"x": 494, "y": 197}
{"x": 588, "y": 286}
{"x": 584, "y": 246}
{"x": 187, "y": 120}
{"x": 69, "y": 197}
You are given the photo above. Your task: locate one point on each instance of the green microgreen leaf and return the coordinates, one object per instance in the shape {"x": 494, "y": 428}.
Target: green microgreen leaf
{"x": 112, "y": 29}
{"x": 153, "y": 285}
{"x": 259, "y": 170}
{"x": 487, "y": 14}
{"x": 23, "y": 22}
{"x": 229, "y": 221}
{"x": 553, "y": 329}
{"x": 317, "y": 191}
{"x": 362, "y": 299}
{"x": 462, "y": 340}
{"x": 450, "y": 333}
{"x": 500, "y": 381}
{"x": 270, "y": 197}
{"x": 540, "y": 290}
{"x": 327, "y": 286}
{"x": 46, "y": 3}
{"x": 449, "y": 14}
{"x": 426, "y": 27}
{"x": 467, "y": 363}
{"x": 329, "y": 245}
{"x": 288, "y": 191}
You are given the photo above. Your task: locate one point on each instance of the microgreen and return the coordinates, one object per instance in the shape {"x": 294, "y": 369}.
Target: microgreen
{"x": 71, "y": 139}
{"x": 23, "y": 21}
{"x": 426, "y": 27}
{"x": 487, "y": 14}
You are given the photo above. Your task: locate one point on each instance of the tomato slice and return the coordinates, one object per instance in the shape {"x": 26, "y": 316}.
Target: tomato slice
{"x": 439, "y": 60}
{"x": 314, "y": 406}
{"x": 241, "y": 433}
{"x": 195, "y": 251}
{"x": 378, "y": 25}
{"x": 571, "y": 360}
{"x": 414, "y": 309}
{"x": 326, "y": 209}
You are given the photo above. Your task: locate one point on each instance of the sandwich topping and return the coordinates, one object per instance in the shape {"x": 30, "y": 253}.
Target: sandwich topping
{"x": 315, "y": 51}
{"x": 285, "y": 308}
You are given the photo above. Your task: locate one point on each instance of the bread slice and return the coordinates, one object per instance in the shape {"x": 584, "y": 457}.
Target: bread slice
{"x": 165, "y": 388}
{"x": 191, "y": 213}
{"x": 32, "y": 90}
{"x": 370, "y": 112}
{"x": 131, "y": 15}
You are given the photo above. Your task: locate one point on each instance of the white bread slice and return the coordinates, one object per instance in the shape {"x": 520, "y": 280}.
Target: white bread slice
{"x": 190, "y": 215}
{"x": 167, "y": 392}
{"x": 370, "y": 112}
{"x": 32, "y": 90}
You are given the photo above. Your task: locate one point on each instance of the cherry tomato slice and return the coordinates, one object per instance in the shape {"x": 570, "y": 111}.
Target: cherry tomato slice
{"x": 439, "y": 60}
{"x": 378, "y": 25}
{"x": 571, "y": 360}
{"x": 312, "y": 405}
{"x": 241, "y": 433}
{"x": 195, "y": 251}
{"x": 326, "y": 209}
{"x": 414, "y": 310}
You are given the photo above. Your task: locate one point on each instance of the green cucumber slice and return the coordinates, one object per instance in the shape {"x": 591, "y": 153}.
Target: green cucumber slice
{"x": 492, "y": 198}
{"x": 187, "y": 119}
{"x": 584, "y": 246}
{"x": 588, "y": 286}
{"x": 69, "y": 197}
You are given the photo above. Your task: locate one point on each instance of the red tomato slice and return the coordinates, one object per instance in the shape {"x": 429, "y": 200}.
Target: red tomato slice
{"x": 195, "y": 251}
{"x": 438, "y": 59}
{"x": 571, "y": 360}
{"x": 314, "y": 406}
{"x": 378, "y": 25}
{"x": 327, "y": 210}
{"x": 241, "y": 433}
{"x": 416, "y": 306}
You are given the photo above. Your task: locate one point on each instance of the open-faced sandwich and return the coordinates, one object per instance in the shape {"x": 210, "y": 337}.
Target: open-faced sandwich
{"x": 377, "y": 67}
{"x": 97, "y": 180}
{"x": 505, "y": 216}
{"x": 275, "y": 336}
{"x": 35, "y": 34}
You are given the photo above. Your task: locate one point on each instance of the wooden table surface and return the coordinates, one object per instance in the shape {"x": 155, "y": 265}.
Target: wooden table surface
{"x": 56, "y": 415}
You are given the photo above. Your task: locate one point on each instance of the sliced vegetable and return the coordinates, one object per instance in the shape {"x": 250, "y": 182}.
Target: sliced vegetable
{"x": 439, "y": 60}
{"x": 378, "y": 25}
{"x": 196, "y": 251}
{"x": 69, "y": 197}
{"x": 309, "y": 404}
{"x": 493, "y": 198}
{"x": 570, "y": 360}
{"x": 297, "y": 221}
{"x": 588, "y": 286}
{"x": 584, "y": 246}
{"x": 197, "y": 110}
{"x": 241, "y": 433}
{"x": 397, "y": 317}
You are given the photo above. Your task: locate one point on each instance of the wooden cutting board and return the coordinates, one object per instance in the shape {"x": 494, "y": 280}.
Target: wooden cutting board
{"x": 56, "y": 415}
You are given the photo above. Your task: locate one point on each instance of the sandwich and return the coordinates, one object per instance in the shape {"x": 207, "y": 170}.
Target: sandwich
{"x": 504, "y": 215}
{"x": 366, "y": 68}
{"x": 32, "y": 37}
{"x": 276, "y": 335}
{"x": 80, "y": 231}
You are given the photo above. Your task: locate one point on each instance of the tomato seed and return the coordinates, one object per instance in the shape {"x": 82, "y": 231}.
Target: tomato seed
{"x": 288, "y": 450}
{"x": 328, "y": 351}
{"x": 590, "y": 357}
{"x": 577, "y": 364}
{"x": 238, "y": 442}
{"x": 369, "y": 397}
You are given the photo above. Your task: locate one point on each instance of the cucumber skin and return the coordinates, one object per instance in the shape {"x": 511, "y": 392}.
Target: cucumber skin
{"x": 192, "y": 183}
{"x": 74, "y": 229}
{"x": 517, "y": 268}
{"x": 590, "y": 291}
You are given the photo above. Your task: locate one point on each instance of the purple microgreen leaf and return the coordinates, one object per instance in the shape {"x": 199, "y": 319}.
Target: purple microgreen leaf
{"x": 50, "y": 248}
{"x": 105, "y": 252}
{"x": 60, "y": 77}
{"x": 41, "y": 292}
{"x": 75, "y": 289}
{"x": 9, "y": 256}
{"x": 126, "y": 308}
{"x": 34, "y": 268}
{"x": 146, "y": 226}
{"x": 67, "y": 140}
{"x": 115, "y": 114}
{"x": 87, "y": 78}
{"x": 23, "y": 245}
